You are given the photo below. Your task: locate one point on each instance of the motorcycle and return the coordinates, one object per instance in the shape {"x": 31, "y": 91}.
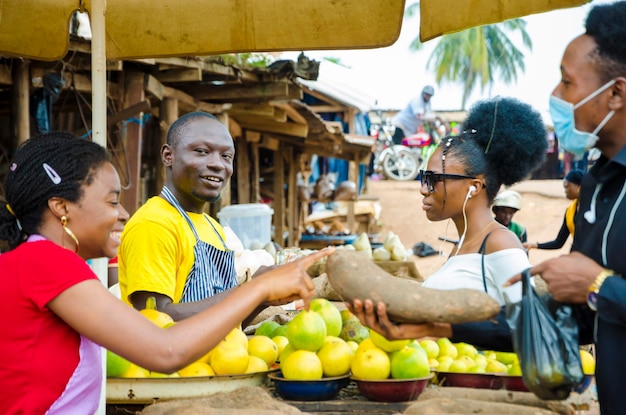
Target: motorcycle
{"x": 394, "y": 161}
{"x": 424, "y": 142}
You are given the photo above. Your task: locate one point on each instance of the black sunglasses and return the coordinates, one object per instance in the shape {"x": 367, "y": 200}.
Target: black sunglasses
{"x": 430, "y": 178}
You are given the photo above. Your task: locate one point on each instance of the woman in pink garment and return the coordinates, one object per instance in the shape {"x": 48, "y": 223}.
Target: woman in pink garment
{"x": 62, "y": 207}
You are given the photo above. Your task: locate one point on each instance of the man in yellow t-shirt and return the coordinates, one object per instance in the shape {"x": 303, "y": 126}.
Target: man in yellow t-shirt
{"x": 171, "y": 249}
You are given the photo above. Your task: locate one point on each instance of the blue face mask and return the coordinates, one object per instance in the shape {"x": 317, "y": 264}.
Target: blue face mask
{"x": 571, "y": 139}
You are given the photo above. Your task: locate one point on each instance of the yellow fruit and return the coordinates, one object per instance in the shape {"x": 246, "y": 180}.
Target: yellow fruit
{"x": 444, "y": 363}
{"x": 365, "y": 344}
{"x": 371, "y": 364}
{"x": 206, "y": 358}
{"x": 263, "y": 347}
{"x": 469, "y": 362}
{"x": 465, "y": 349}
{"x": 480, "y": 360}
{"x": 302, "y": 365}
{"x": 354, "y": 345}
{"x": 286, "y": 352}
{"x": 495, "y": 366}
{"x": 333, "y": 339}
{"x": 116, "y": 365}
{"x": 387, "y": 345}
{"x": 336, "y": 358}
{"x": 163, "y": 375}
{"x": 329, "y": 313}
{"x": 506, "y": 357}
{"x": 307, "y": 331}
{"x": 196, "y": 369}
{"x": 458, "y": 366}
{"x": 281, "y": 342}
{"x": 476, "y": 369}
{"x": 446, "y": 348}
{"x": 433, "y": 363}
{"x": 135, "y": 371}
{"x": 409, "y": 362}
{"x": 256, "y": 365}
{"x": 229, "y": 358}
{"x": 430, "y": 347}
{"x": 588, "y": 362}
{"x": 154, "y": 315}
{"x": 239, "y": 336}
{"x": 515, "y": 369}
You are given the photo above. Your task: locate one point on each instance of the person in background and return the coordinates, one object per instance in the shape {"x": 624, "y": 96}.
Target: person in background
{"x": 62, "y": 208}
{"x": 410, "y": 118}
{"x": 502, "y": 143}
{"x": 171, "y": 249}
{"x": 571, "y": 183}
{"x": 588, "y": 109}
{"x": 505, "y": 206}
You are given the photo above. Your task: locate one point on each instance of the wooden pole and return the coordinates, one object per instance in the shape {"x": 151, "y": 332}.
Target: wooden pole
{"x": 99, "y": 131}
{"x": 21, "y": 88}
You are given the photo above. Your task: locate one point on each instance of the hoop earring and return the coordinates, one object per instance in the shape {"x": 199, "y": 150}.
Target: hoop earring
{"x": 69, "y": 232}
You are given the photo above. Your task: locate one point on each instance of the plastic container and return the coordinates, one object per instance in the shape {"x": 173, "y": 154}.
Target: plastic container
{"x": 251, "y": 222}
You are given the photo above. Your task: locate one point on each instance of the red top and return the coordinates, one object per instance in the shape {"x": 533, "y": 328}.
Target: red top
{"x": 39, "y": 351}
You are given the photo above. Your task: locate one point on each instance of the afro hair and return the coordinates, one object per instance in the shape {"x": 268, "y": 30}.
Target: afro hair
{"x": 512, "y": 135}
{"x": 605, "y": 24}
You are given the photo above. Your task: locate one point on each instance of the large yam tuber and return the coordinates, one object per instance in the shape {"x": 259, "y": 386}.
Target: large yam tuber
{"x": 355, "y": 277}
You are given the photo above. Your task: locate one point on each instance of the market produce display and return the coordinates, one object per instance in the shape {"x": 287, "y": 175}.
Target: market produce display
{"x": 407, "y": 301}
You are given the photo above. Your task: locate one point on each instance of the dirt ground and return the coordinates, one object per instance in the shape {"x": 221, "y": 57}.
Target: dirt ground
{"x": 543, "y": 207}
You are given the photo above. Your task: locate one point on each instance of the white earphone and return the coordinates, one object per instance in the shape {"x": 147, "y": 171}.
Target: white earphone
{"x": 470, "y": 190}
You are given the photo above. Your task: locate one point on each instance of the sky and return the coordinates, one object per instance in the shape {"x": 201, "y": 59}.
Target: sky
{"x": 393, "y": 75}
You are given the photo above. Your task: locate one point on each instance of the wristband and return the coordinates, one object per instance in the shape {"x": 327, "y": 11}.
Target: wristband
{"x": 594, "y": 288}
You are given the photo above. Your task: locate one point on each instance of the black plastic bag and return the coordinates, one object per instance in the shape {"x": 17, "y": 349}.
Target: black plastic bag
{"x": 545, "y": 338}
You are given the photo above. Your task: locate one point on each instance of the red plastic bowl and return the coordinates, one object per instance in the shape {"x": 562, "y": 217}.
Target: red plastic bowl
{"x": 514, "y": 383}
{"x": 470, "y": 380}
{"x": 392, "y": 390}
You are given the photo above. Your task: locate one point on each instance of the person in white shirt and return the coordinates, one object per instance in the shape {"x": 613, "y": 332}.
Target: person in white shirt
{"x": 409, "y": 119}
{"x": 502, "y": 143}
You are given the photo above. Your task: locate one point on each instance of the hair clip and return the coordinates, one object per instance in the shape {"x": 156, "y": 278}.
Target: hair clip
{"x": 13, "y": 167}
{"x": 52, "y": 174}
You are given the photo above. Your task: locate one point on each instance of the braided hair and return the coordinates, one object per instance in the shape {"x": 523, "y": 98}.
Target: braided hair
{"x": 50, "y": 165}
{"x": 504, "y": 140}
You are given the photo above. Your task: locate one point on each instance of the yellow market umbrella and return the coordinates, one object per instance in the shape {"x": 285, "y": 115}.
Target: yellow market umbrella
{"x": 440, "y": 17}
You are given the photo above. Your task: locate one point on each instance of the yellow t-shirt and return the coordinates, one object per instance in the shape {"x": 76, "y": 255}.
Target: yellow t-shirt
{"x": 156, "y": 253}
{"x": 569, "y": 216}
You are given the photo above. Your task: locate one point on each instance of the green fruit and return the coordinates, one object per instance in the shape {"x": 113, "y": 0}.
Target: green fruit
{"x": 266, "y": 328}
{"x": 330, "y": 314}
{"x": 307, "y": 331}
{"x": 116, "y": 365}
{"x": 354, "y": 331}
{"x": 409, "y": 362}
{"x": 281, "y": 330}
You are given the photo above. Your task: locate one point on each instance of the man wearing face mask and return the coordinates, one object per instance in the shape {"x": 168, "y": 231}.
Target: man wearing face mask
{"x": 588, "y": 108}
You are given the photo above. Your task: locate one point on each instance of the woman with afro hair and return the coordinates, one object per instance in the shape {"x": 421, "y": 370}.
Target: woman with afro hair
{"x": 502, "y": 142}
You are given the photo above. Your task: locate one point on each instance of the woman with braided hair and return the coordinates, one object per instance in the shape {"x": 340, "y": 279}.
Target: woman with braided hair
{"x": 62, "y": 208}
{"x": 502, "y": 143}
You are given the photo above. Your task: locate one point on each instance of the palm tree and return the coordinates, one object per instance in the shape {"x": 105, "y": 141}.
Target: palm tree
{"x": 476, "y": 55}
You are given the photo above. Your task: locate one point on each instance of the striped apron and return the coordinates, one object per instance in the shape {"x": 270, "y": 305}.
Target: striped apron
{"x": 213, "y": 270}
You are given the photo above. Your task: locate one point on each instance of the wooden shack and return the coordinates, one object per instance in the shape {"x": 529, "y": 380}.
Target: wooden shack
{"x": 272, "y": 128}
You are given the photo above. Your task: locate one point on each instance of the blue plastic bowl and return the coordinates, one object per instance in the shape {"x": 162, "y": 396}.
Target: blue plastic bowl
{"x": 308, "y": 390}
